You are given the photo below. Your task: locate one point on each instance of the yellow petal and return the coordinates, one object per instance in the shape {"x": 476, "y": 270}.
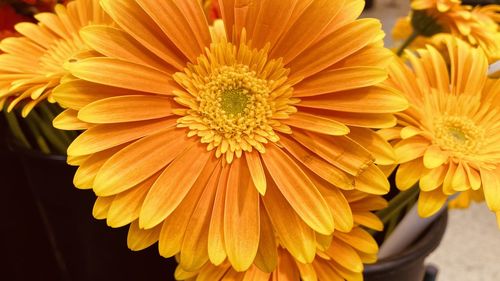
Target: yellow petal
{"x": 368, "y": 219}
{"x": 298, "y": 190}
{"x": 342, "y": 214}
{"x": 432, "y": 179}
{"x": 360, "y": 240}
{"x": 430, "y": 202}
{"x": 241, "y": 217}
{"x": 412, "y": 148}
{"x": 434, "y": 157}
{"x": 409, "y": 173}
{"x": 491, "y": 187}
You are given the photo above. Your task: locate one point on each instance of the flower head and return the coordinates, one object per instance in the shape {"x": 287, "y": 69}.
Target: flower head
{"x": 33, "y": 64}
{"x": 447, "y": 139}
{"x": 478, "y": 26}
{"x": 204, "y": 140}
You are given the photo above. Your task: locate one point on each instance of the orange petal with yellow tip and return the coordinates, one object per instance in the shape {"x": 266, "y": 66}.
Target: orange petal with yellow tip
{"x": 317, "y": 124}
{"x": 256, "y": 171}
{"x": 409, "y": 173}
{"x": 430, "y": 202}
{"x": 317, "y": 165}
{"x": 123, "y": 74}
{"x": 359, "y": 239}
{"x": 68, "y": 120}
{"x": 216, "y": 246}
{"x": 136, "y": 22}
{"x": 241, "y": 217}
{"x": 139, "y": 239}
{"x": 376, "y": 99}
{"x": 126, "y": 109}
{"x": 345, "y": 255}
{"x": 372, "y": 180}
{"x": 126, "y": 168}
{"x": 102, "y": 137}
{"x": 116, "y": 43}
{"x": 491, "y": 187}
{"x": 101, "y": 207}
{"x": 174, "y": 226}
{"x": 194, "y": 253}
{"x": 339, "y": 151}
{"x": 300, "y": 242}
{"x": 126, "y": 206}
{"x": 325, "y": 271}
{"x": 298, "y": 190}
{"x": 174, "y": 184}
{"x": 368, "y": 219}
{"x": 340, "y": 79}
{"x": 267, "y": 254}
{"x": 382, "y": 151}
{"x": 434, "y": 157}
{"x": 327, "y": 52}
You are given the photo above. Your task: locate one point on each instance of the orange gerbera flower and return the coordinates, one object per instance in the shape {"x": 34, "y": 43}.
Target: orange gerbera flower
{"x": 33, "y": 65}
{"x": 478, "y": 26}
{"x": 342, "y": 258}
{"x": 195, "y": 138}
{"x": 450, "y": 132}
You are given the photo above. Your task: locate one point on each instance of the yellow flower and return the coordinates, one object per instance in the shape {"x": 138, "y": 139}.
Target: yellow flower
{"x": 478, "y": 25}
{"x": 342, "y": 260}
{"x": 33, "y": 64}
{"x": 197, "y": 140}
{"x": 449, "y": 135}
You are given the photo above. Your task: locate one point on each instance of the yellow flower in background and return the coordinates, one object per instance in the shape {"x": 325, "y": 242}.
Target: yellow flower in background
{"x": 478, "y": 26}
{"x": 198, "y": 140}
{"x": 32, "y": 65}
{"x": 449, "y": 135}
{"x": 342, "y": 260}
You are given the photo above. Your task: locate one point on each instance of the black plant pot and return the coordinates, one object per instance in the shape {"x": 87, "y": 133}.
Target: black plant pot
{"x": 409, "y": 265}
{"x": 81, "y": 248}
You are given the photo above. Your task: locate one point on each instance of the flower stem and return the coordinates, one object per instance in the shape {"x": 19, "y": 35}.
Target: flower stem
{"x": 15, "y": 128}
{"x": 407, "y": 42}
{"x": 397, "y": 204}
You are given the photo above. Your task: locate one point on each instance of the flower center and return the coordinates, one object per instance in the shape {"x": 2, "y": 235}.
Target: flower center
{"x": 459, "y": 135}
{"x": 235, "y": 98}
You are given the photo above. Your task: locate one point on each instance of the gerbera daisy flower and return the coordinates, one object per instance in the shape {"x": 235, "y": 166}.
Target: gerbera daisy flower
{"x": 449, "y": 134}
{"x": 193, "y": 136}
{"x": 33, "y": 64}
{"x": 477, "y": 26}
{"x": 342, "y": 260}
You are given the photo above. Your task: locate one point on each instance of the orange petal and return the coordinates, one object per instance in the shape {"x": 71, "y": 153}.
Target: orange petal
{"x": 241, "y": 217}
{"x": 409, "y": 173}
{"x": 68, "y": 120}
{"x": 139, "y": 239}
{"x": 267, "y": 254}
{"x": 126, "y": 109}
{"x": 382, "y": 151}
{"x": 128, "y": 167}
{"x": 345, "y": 255}
{"x": 372, "y": 180}
{"x": 430, "y": 202}
{"x": 173, "y": 185}
{"x": 298, "y": 190}
{"x": 256, "y": 171}
{"x": 317, "y": 124}
{"x": 216, "y": 246}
